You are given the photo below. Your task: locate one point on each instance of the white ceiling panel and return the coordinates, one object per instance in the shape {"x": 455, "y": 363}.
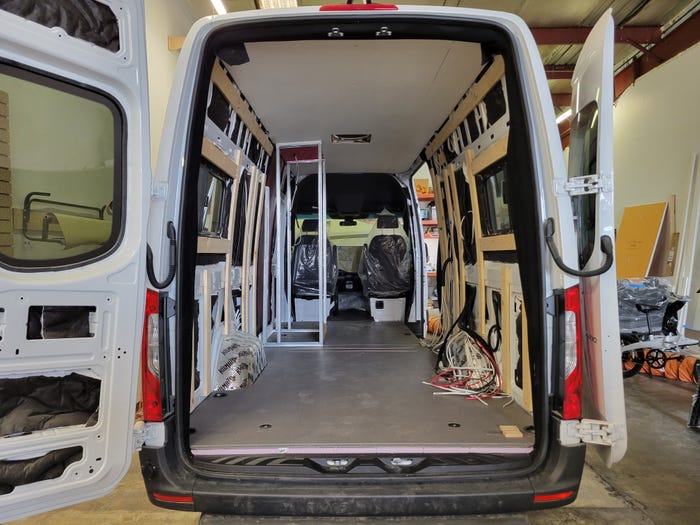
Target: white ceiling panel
{"x": 399, "y": 91}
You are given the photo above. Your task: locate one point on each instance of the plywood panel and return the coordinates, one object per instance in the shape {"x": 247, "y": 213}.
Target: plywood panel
{"x": 637, "y": 239}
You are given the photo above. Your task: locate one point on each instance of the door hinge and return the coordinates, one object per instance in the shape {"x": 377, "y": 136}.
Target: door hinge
{"x": 584, "y": 185}
{"x": 151, "y": 434}
{"x": 590, "y": 431}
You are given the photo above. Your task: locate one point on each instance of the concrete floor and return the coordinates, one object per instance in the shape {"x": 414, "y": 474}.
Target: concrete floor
{"x": 658, "y": 481}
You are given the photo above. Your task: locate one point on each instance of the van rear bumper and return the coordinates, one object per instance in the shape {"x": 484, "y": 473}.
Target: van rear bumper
{"x": 380, "y": 496}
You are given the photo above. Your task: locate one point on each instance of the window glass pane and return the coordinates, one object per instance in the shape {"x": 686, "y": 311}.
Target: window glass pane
{"x": 60, "y": 171}
{"x": 493, "y": 206}
{"x": 495, "y": 102}
{"x": 219, "y": 111}
{"x": 583, "y": 160}
{"x": 214, "y": 198}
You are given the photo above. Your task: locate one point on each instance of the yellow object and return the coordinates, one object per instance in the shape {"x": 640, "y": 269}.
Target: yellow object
{"x": 83, "y": 230}
{"x": 637, "y": 238}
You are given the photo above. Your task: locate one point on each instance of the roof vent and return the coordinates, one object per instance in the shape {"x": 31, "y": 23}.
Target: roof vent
{"x": 349, "y": 138}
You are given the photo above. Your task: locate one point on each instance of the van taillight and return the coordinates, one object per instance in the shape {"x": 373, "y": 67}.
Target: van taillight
{"x": 150, "y": 366}
{"x": 573, "y": 354}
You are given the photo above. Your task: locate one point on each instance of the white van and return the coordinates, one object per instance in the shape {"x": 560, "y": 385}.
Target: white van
{"x": 278, "y": 254}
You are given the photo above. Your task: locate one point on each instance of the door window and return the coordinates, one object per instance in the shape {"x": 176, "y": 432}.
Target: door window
{"x": 583, "y": 160}
{"x": 60, "y": 171}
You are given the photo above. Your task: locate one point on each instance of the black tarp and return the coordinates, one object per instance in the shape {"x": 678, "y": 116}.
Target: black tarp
{"x": 305, "y": 268}
{"x": 36, "y": 403}
{"x": 84, "y": 19}
{"x": 388, "y": 266}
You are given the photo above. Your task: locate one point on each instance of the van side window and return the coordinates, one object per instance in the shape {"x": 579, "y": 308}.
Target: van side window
{"x": 214, "y": 198}
{"x": 61, "y": 172}
{"x": 583, "y": 160}
{"x": 493, "y": 205}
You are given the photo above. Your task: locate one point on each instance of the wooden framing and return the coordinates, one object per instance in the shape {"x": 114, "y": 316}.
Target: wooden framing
{"x": 221, "y": 80}
{"x": 505, "y": 330}
{"x": 216, "y": 245}
{"x": 527, "y": 380}
{"x": 490, "y": 78}
{"x": 206, "y": 332}
{"x": 438, "y": 194}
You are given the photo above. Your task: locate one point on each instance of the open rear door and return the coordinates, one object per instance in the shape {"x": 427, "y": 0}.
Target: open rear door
{"x": 591, "y": 187}
{"x": 74, "y": 191}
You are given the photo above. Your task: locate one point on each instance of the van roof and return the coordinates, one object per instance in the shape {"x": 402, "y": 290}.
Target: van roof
{"x": 399, "y": 91}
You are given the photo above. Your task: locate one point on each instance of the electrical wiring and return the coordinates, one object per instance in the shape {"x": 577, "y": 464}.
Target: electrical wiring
{"x": 469, "y": 368}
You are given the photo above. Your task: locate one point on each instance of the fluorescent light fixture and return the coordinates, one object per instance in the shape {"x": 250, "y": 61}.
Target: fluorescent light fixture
{"x": 561, "y": 118}
{"x": 277, "y": 4}
{"x": 218, "y": 7}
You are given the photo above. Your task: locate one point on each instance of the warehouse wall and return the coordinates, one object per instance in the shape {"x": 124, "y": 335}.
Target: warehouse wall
{"x": 163, "y": 18}
{"x": 656, "y": 133}
{"x": 656, "y": 136}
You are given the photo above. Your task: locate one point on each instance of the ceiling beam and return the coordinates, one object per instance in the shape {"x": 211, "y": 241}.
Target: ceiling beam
{"x": 559, "y": 72}
{"x": 552, "y": 36}
{"x": 681, "y": 38}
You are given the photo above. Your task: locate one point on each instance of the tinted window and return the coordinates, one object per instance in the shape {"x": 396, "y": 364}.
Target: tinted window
{"x": 214, "y": 199}
{"x": 583, "y": 160}
{"x": 219, "y": 111}
{"x": 60, "y": 171}
{"x": 495, "y": 102}
{"x": 493, "y": 207}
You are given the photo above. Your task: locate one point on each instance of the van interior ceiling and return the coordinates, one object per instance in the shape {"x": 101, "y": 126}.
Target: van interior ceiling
{"x": 311, "y": 304}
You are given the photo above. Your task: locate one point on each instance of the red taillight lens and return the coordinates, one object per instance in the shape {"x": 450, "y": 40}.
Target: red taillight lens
{"x": 359, "y": 7}
{"x": 171, "y": 498}
{"x": 150, "y": 366}
{"x": 556, "y": 496}
{"x": 573, "y": 354}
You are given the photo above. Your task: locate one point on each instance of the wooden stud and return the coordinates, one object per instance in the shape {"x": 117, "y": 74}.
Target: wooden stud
{"x": 206, "y": 332}
{"x": 498, "y": 243}
{"x": 442, "y": 242}
{"x": 505, "y": 330}
{"x": 478, "y": 237}
{"x": 240, "y": 106}
{"x": 473, "y": 97}
{"x": 213, "y": 245}
{"x": 451, "y": 247}
{"x": 222, "y": 161}
{"x": 494, "y": 152}
{"x": 527, "y": 380}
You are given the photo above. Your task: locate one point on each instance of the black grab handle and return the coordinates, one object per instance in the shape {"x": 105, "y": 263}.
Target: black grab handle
{"x": 606, "y": 246}
{"x": 158, "y": 285}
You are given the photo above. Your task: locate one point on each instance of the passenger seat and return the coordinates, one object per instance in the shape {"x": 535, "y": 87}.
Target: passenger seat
{"x": 387, "y": 270}
{"x": 305, "y": 272}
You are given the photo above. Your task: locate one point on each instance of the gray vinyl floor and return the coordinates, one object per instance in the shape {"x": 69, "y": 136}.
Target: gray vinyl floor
{"x": 361, "y": 392}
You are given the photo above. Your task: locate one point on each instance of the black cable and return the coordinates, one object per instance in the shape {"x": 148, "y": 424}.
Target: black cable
{"x": 159, "y": 285}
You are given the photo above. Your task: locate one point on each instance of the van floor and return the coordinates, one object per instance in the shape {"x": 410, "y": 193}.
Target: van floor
{"x": 360, "y": 393}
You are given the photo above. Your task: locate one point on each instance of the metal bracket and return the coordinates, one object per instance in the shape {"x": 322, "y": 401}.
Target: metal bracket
{"x": 151, "y": 434}
{"x": 590, "y": 431}
{"x": 584, "y": 185}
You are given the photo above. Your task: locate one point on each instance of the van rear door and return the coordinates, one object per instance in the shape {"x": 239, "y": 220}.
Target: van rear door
{"x": 74, "y": 193}
{"x": 590, "y": 184}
